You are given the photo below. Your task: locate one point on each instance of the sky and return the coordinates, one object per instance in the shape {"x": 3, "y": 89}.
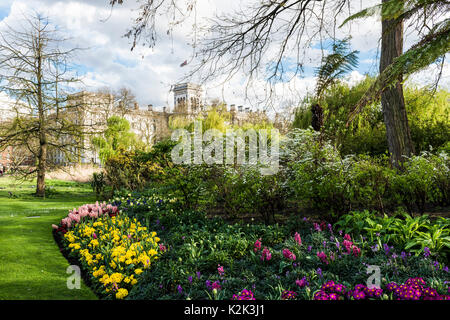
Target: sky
{"x": 149, "y": 73}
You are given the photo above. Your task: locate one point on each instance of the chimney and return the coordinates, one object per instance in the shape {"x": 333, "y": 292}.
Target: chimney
{"x": 233, "y": 108}
{"x": 247, "y": 109}
{"x": 164, "y": 109}
{"x": 240, "y": 108}
{"x": 150, "y": 107}
{"x": 136, "y": 106}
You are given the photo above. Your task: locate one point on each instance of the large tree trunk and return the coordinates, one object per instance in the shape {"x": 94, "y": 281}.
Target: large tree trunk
{"x": 40, "y": 185}
{"x": 392, "y": 100}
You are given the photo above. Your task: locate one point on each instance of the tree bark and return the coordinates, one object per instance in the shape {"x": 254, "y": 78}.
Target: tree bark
{"x": 392, "y": 101}
{"x": 40, "y": 185}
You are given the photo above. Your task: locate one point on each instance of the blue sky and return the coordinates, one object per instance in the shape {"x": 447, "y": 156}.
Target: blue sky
{"x": 149, "y": 73}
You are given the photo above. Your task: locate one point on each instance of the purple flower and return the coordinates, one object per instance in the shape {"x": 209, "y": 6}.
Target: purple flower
{"x": 426, "y": 252}
{"x": 403, "y": 255}
{"x": 190, "y": 279}
{"x": 288, "y": 295}
{"x": 319, "y": 272}
{"x": 436, "y": 265}
{"x": 386, "y": 249}
{"x": 302, "y": 283}
{"x": 244, "y": 295}
{"x": 180, "y": 289}
{"x": 445, "y": 269}
{"x": 309, "y": 248}
{"x": 198, "y": 274}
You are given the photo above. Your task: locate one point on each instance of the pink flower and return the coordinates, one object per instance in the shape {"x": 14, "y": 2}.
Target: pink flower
{"x": 289, "y": 255}
{"x": 323, "y": 257}
{"x": 356, "y": 251}
{"x": 162, "y": 247}
{"x": 298, "y": 239}
{"x": 94, "y": 236}
{"x": 266, "y": 255}
{"x": 257, "y": 245}
{"x": 347, "y": 237}
{"x": 220, "y": 270}
{"x": 54, "y": 226}
{"x": 216, "y": 285}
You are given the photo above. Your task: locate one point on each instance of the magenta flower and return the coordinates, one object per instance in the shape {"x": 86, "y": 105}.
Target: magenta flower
{"x": 266, "y": 255}
{"x": 257, "y": 245}
{"x": 220, "y": 270}
{"x": 298, "y": 239}
{"x": 323, "y": 257}
{"x": 289, "y": 255}
{"x": 244, "y": 295}
{"x": 301, "y": 283}
{"x": 288, "y": 295}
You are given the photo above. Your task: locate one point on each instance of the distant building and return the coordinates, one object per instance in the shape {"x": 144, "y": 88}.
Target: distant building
{"x": 91, "y": 110}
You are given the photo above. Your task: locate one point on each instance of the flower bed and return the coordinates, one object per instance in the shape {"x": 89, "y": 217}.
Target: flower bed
{"x": 208, "y": 258}
{"x": 111, "y": 248}
{"x": 204, "y": 258}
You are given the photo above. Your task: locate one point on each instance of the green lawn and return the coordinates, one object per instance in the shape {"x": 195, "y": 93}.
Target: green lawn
{"x": 31, "y": 265}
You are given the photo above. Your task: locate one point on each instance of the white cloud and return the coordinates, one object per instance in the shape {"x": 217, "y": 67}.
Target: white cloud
{"x": 150, "y": 72}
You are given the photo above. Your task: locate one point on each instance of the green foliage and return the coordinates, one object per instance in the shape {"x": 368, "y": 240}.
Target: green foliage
{"x": 422, "y": 181}
{"x": 430, "y": 48}
{"x": 116, "y": 137}
{"x": 403, "y": 231}
{"x": 428, "y": 118}
{"x": 335, "y": 65}
{"x": 196, "y": 245}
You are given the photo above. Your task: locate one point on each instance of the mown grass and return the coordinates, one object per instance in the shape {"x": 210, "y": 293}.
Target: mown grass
{"x": 31, "y": 265}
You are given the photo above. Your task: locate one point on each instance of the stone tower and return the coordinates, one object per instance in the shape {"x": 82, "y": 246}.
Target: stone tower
{"x": 187, "y": 98}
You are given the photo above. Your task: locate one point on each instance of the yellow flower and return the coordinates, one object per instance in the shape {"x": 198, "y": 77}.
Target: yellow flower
{"x": 116, "y": 277}
{"x": 138, "y": 271}
{"x": 121, "y": 293}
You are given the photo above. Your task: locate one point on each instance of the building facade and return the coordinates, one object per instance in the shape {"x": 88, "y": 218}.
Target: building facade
{"x": 91, "y": 110}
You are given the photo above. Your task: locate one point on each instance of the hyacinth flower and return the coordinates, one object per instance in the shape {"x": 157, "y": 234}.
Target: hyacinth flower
{"x": 298, "y": 239}
{"x": 257, "y": 245}
{"x": 302, "y": 283}
{"x": 220, "y": 270}
{"x": 323, "y": 257}
{"x": 266, "y": 255}
{"x": 289, "y": 255}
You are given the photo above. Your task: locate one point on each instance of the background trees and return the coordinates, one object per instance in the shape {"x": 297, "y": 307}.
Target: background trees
{"x": 35, "y": 70}
{"x": 268, "y": 39}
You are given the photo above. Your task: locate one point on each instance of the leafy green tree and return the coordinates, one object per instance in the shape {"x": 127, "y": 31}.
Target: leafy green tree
{"x": 117, "y": 137}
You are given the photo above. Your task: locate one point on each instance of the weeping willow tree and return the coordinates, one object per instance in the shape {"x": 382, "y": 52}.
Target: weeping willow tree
{"x": 116, "y": 138}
